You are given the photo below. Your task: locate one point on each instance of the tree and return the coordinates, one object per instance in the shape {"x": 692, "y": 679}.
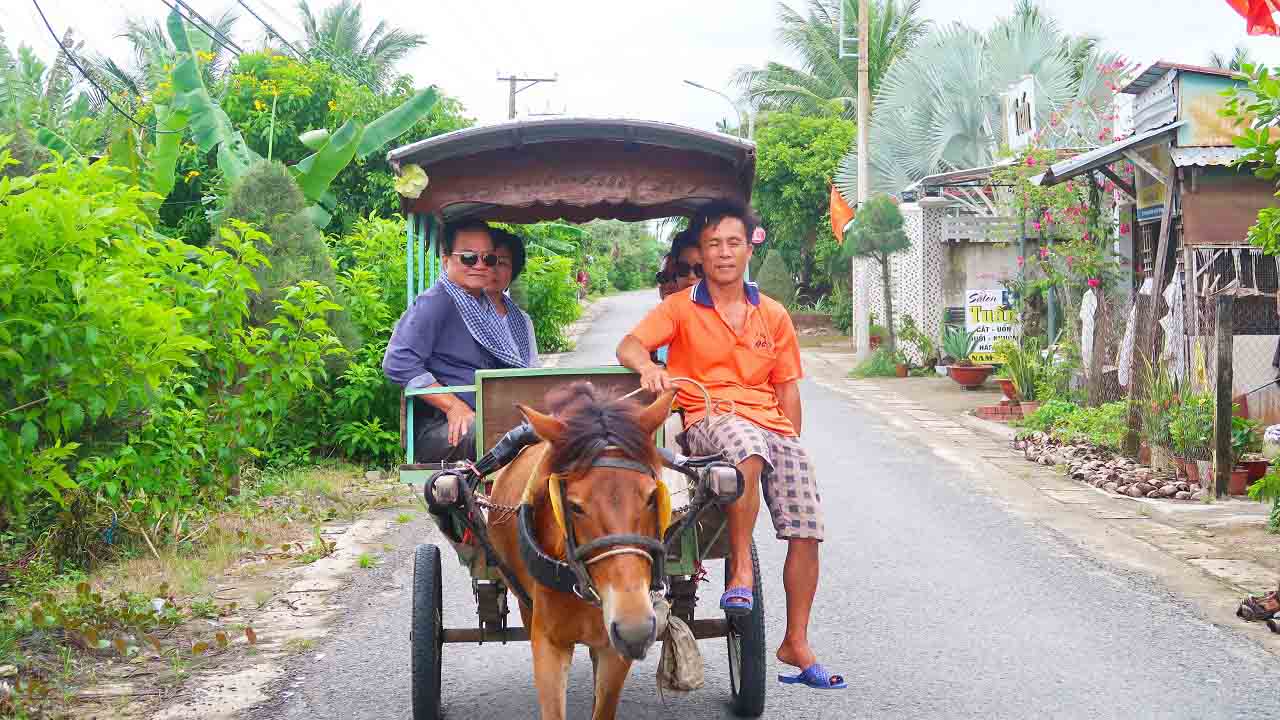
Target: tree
{"x": 775, "y": 281}
{"x": 1240, "y": 56}
{"x": 824, "y": 83}
{"x": 796, "y": 157}
{"x": 337, "y": 37}
{"x": 877, "y": 233}
{"x": 939, "y": 108}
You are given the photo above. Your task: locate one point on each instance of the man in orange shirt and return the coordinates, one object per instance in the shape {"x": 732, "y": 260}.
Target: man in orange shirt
{"x": 742, "y": 347}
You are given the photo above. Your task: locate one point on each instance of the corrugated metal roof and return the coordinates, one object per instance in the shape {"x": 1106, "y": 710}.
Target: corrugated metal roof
{"x": 501, "y": 136}
{"x": 1204, "y": 156}
{"x": 1157, "y": 69}
{"x": 1157, "y": 105}
{"x": 1105, "y": 155}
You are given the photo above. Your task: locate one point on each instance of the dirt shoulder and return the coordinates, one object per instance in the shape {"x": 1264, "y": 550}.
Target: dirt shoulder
{"x": 1210, "y": 554}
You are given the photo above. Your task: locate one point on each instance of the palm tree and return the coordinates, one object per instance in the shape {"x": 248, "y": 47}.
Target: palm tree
{"x": 939, "y": 109}
{"x": 337, "y": 37}
{"x": 824, "y": 83}
{"x": 1240, "y": 57}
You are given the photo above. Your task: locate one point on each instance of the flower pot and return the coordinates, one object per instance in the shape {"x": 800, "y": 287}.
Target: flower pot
{"x": 1006, "y": 387}
{"x": 1239, "y": 483}
{"x": 1255, "y": 468}
{"x": 971, "y": 377}
{"x": 941, "y": 370}
{"x": 875, "y": 341}
{"x": 1189, "y": 469}
{"x": 1144, "y": 454}
{"x": 901, "y": 369}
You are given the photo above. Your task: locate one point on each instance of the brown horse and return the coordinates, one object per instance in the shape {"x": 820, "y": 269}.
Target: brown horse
{"x": 598, "y": 456}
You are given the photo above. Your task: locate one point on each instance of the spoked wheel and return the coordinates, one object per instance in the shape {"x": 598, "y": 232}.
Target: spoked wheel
{"x": 747, "y": 651}
{"x": 427, "y": 633}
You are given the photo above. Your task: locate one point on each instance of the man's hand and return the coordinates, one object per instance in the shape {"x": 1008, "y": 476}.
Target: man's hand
{"x": 460, "y": 417}
{"x": 655, "y": 379}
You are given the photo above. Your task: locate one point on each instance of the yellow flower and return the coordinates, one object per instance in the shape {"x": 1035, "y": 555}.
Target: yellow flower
{"x": 164, "y": 85}
{"x": 259, "y": 105}
{"x": 205, "y": 56}
{"x": 192, "y": 175}
{"x": 333, "y": 106}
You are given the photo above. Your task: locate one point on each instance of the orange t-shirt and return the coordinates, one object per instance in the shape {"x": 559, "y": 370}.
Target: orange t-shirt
{"x": 740, "y": 368}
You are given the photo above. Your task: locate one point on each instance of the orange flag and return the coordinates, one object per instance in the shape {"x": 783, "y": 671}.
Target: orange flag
{"x": 1257, "y": 15}
{"x": 841, "y": 214}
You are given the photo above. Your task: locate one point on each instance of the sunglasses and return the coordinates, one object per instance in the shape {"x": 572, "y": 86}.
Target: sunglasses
{"x": 470, "y": 259}
{"x": 679, "y": 270}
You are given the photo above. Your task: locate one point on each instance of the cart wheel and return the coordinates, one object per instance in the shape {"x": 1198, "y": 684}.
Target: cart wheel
{"x": 427, "y": 633}
{"x": 747, "y": 652}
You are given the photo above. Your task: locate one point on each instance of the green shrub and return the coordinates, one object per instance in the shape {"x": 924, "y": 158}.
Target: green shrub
{"x": 841, "y": 307}
{"x": 1103, "y": 426}
{"x": 1191, "y": 426}
{"x": 548, "y": 291}
{"x": 775, "y": 280}
{"x": 1048, "y": 416}
{"x": 882, "y": 363}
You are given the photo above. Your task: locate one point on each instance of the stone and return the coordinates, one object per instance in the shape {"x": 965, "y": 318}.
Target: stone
{"x": 1154, "y": 494}
{"x": 8, "y": 670}
{"x": 1144, "y": 488}
{"x": 1183, "y": 485}
{"x": 1111, "y": 487}
{"x": 1197, "y": 495}
{"x": 1182, "y": 495}
{"x": 1168, "y": 490}
{"x": 1134, "y": 490}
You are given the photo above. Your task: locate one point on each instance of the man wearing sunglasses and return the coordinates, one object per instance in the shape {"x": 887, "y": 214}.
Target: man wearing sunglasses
{"x": 454, "y": 329}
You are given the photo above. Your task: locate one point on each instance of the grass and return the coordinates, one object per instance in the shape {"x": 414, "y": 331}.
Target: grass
{"x": 880, "y": 364}
{"x": 404, "y": 517}
{"x": 299, "y": 645}
{"x": 367, "y": 561}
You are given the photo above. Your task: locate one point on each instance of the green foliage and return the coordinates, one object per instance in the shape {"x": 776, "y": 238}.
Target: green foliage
{"x": 1244, "y": 437}
{"x": 795, "y": 159}
{"x": 909, "y": 332}
{"x": 877, "y": 233}
{"x": 1103, "y": 426}
{"x": 1159, "y": 405}
{"x": 1048, "y": 416}
{"x": 1267, "y": 488}
{"x": 882, "y": 363}
{"x": 1191, "y": 426}
{"x": 1256, "y": 109}
{"x": 547, "y": 292}
{"x": 957, "y": 343}
{"x": 1024, "y": 365}
{"x": 775, "y": 281}
{"x": 842, "y": 307}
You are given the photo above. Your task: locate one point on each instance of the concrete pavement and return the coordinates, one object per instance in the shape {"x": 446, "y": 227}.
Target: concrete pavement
{"x": 945, "y": 594}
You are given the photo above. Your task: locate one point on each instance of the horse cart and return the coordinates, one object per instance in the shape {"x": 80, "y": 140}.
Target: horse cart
{"x": 576, "y": 171}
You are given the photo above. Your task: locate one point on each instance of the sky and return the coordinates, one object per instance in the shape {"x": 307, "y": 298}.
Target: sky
{"x": 616, "y": 59}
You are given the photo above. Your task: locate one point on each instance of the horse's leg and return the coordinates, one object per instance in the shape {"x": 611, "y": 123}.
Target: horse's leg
{"x": 611, "y": 674}
{"x": 550, "y": 675}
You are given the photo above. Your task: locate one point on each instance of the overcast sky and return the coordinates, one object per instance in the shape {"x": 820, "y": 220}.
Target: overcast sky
{"x": 628, "y": 58}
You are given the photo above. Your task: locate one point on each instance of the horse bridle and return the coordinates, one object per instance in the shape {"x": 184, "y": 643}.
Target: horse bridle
{"x": 571, "y": 575}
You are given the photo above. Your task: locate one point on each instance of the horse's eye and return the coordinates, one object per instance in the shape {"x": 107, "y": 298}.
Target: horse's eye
{"x": 653, "y": 499}
{"x": 576, "y": 509}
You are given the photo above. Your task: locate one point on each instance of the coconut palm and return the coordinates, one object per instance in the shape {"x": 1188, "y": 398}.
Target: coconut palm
{"x": 1239, "y": 57}
{"x": 337, "y": 36}
{"x": 824, "y": 83}
{"x": 939, "y": 108}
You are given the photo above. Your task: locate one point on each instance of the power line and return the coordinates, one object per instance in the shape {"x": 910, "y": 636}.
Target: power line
{"x": 272, "y": 31}
{"x": 516, "y": 89}
{"x": 337, "y": 63}
{"x": 210, "y": 25}
{"x": 85, "y": 74}
{"x": 236, "y": 52}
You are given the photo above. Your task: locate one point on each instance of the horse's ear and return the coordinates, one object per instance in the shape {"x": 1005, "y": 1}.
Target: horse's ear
{"x": 548, "y": 428}
{"x": 652, "y": 417}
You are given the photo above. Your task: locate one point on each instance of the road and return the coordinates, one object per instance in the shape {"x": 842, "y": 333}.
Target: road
{"x": 935, "y": 602}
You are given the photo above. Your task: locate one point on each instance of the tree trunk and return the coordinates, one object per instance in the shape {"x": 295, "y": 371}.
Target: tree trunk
{"x": 888, "y": 303}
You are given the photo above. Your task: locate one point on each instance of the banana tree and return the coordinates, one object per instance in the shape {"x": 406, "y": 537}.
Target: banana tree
{"x": 194, "y": 107}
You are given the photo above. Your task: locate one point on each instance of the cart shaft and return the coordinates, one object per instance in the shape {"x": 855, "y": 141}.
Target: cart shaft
{"x": 703, "y": 629}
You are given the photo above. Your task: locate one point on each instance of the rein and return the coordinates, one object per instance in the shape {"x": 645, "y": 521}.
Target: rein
{"x": 571, "y": 574}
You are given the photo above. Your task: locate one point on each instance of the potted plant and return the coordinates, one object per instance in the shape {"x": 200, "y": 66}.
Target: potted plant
{"x": 1244, "y": 440}
{"x": 1190, "y": 430}
{"x": 876, "y": 334}
{"x": 1006, "y": 385}
{"x": 900, "y": 364}
{"x": 959, "y": 345}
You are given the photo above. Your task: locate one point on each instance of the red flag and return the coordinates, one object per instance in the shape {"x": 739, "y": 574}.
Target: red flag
{"x": 841, "y": 214}
{"x": 1257, "y": 15}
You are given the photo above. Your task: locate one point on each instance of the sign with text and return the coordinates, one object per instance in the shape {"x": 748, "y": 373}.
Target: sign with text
{"x": 1020, "y": 113}
{"x": 989, "y": 315}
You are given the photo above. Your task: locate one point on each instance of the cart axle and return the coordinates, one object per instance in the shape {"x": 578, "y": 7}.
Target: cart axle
{"x": 703, "y": 629}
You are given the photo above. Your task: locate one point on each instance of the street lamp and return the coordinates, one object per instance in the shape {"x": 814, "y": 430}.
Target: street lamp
{"x": 751, "y": 129}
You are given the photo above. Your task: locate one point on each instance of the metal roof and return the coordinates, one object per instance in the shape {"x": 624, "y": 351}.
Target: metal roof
{"x": 1204, "y": 156}
{"x": 1156, "y": 70}
{"x": 1105, "y": 155}
{"x": 515, "y": 134}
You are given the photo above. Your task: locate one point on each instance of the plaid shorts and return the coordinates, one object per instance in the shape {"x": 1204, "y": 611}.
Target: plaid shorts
{"x": 790, "y": 488}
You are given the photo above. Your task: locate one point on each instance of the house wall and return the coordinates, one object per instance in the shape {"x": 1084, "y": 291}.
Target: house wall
{"x": 915, "y": 276}
{"x": 978, "y": 265}
{"x": 1220, "y": 204}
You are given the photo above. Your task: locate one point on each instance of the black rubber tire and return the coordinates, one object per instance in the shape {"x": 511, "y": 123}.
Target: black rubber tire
{"x": 747, "y": 648}
{"x": 427, "y": 633}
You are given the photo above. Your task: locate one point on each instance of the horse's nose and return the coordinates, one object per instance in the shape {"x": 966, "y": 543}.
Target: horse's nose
{"x": 633, "y": 640}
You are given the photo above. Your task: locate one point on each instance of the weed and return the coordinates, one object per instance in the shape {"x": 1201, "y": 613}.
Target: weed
{"x": 262, "y": 596}
{"x": 319, "y": 548}
{"x": 404, "y": 517}
{"x": 367, "y": 561}
{"x": 299, "y": 645}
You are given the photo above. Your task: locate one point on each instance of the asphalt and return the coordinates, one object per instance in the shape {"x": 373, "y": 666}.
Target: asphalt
{"x": 935, "y": 602}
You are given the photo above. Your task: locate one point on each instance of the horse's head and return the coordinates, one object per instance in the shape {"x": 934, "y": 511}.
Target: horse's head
{"x": 604, "y": 453}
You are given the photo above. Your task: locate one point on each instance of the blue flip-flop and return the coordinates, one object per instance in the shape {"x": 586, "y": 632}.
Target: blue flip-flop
{"x": 737, "y": 608}
{"x": 816, "y": 677}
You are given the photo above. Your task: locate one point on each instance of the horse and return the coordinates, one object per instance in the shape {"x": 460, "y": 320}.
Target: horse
{"x": 592, "y": 512}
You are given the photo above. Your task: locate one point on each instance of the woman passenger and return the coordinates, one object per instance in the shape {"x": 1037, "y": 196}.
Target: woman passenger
{"x": 511, "y": 259}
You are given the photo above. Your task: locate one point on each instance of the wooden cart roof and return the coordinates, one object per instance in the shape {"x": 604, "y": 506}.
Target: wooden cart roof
{"x": 576, "y": 169}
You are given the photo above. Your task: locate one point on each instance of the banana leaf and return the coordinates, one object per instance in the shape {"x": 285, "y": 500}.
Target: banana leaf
{"x": 396, "y": 122}
{"x": 317, "y": 170}
{"x": 210, "y": 126}
{"x": 56, "y": 142}
{"x": 314, "y": 139}
{"x": 164, "y": 154}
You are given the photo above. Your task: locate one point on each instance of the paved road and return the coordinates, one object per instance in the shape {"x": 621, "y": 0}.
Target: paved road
{"x": 935, "y": 603}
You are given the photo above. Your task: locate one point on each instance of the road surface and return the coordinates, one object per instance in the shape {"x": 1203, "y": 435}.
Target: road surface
{"x": 935, "y": 602}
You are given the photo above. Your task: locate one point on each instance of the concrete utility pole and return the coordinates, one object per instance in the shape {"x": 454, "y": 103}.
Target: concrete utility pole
{"x": 517, "y": 88}
{"x": 861, "y": 338}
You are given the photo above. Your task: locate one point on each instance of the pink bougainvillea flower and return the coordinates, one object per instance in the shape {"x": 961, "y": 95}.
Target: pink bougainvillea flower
{"x": 1094, "y": 282}
{"x": 1048, "y": 217}
{"x": 1044, "y": 253}
{"x": 1070, "y": 260}
{"x": 1035, "y": 225}
{"x": 1124, "y": 228}
{"x": 1021, "y": 261}
{"x": 1031, "y": 161}
{"x": 1086, "y": 236}
{"x": 757, "y": 237}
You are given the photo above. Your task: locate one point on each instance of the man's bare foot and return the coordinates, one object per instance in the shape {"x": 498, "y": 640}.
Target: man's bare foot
{"x": 796, "y": 654}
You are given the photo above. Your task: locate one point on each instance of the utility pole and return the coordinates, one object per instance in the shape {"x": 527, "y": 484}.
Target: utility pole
{"x": 862, "y": 340}
{"x": 517, "y": 88}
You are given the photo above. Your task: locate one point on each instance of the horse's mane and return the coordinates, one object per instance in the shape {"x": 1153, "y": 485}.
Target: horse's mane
{"x": 593, "y": 421}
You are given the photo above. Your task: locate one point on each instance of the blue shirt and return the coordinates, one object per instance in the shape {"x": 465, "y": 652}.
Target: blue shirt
{"x": 431, "y": 344}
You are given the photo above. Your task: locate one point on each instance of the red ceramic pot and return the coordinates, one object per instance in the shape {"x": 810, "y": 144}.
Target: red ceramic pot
{"x": 1239, "y": 483}
{"x": 1006, "y": 387}
{"x": 1255, "y": 468}
{"x": 970, "y": 377}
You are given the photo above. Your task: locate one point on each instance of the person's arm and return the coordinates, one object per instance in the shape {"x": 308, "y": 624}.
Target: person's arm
{"x": 657, "y": 328}
{"x": 789, "y": 400}
{"x": 405, "y": 364}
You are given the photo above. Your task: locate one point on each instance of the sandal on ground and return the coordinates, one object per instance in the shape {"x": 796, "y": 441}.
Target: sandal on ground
{"x": 737, "y": 601}
{"x": 816, "y": 677}
{"x": 1256, "y": 609}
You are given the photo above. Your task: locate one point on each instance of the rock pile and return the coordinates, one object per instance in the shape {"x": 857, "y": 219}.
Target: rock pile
{"x": 1103, "y": 469}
